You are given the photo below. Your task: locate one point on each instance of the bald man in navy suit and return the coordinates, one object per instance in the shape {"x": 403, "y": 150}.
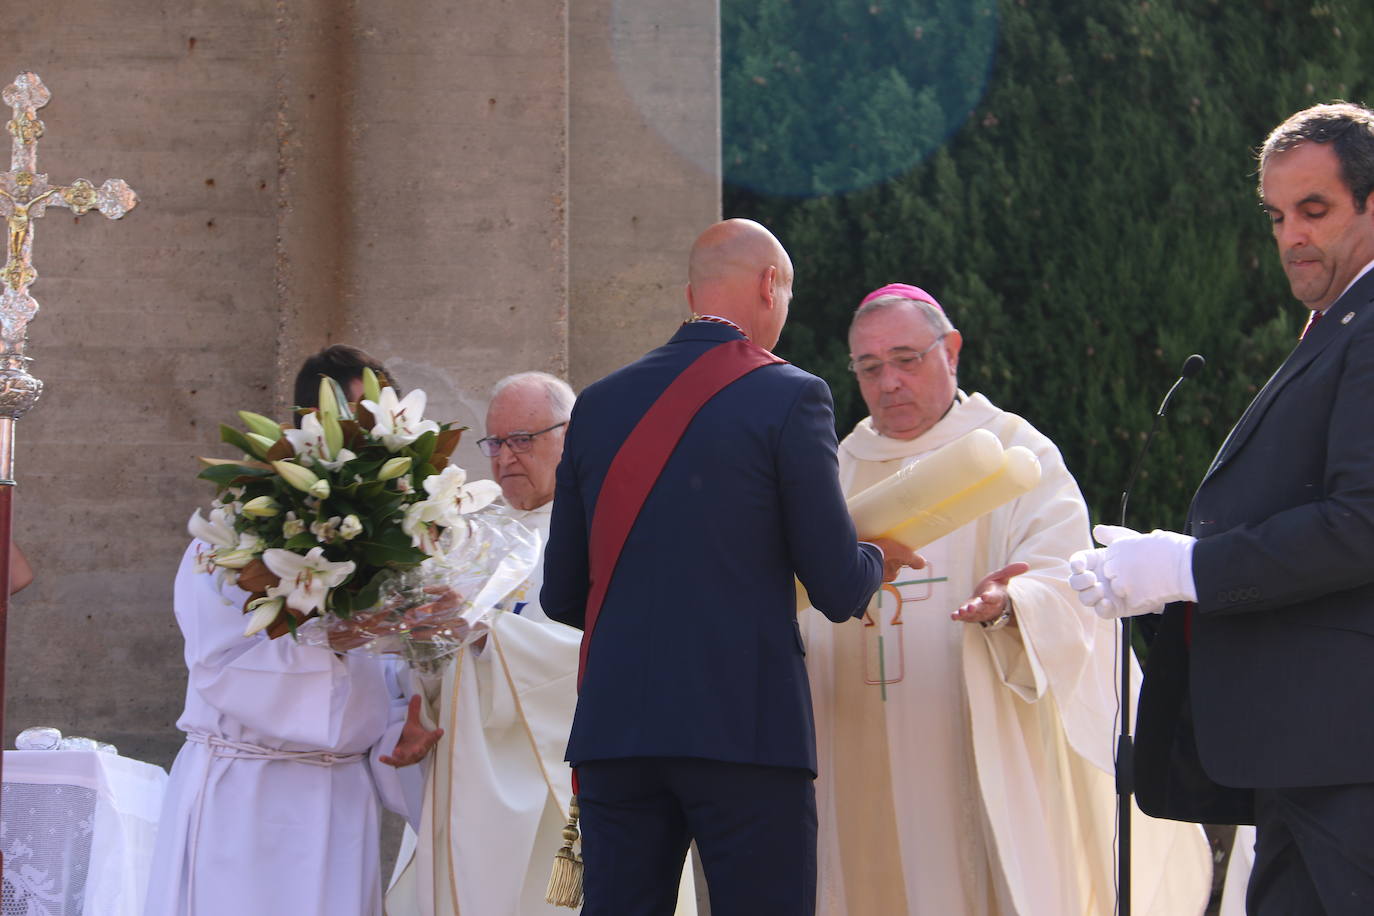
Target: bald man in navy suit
{"x": 694, "y": 717}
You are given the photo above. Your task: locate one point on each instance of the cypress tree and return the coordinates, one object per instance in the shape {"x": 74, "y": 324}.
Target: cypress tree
{"x": 1075, "y": 181}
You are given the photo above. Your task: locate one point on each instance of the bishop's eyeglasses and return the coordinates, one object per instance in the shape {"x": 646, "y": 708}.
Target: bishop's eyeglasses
{"x": 905, "y": 360}
{"x": 518, "y": 442}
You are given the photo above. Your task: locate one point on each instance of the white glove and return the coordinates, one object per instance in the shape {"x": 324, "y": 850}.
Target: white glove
{"x": 1094, "y": 592}
{"x": 1144, "y": 571}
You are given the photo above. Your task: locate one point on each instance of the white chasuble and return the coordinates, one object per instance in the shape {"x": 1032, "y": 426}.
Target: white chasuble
{"x": 965, "y": 770}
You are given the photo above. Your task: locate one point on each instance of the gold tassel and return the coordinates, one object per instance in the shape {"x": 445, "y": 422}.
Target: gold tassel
{"x": 565, "y": 884}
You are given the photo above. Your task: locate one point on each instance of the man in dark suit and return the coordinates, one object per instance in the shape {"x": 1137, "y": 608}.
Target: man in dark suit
{"x": 694, "y": 717}
{"x": 1253, "y": 706}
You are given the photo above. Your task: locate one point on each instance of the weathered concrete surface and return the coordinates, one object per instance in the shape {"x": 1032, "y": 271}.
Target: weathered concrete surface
{"x": 638, "y": 200}
{"x": 464, "y": 189}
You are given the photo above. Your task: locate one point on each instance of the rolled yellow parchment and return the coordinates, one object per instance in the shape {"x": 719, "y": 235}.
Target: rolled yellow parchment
{"x": 942, "y": 492}
{"x": 961, "y": 464}
{"x": 1020, "y": 472}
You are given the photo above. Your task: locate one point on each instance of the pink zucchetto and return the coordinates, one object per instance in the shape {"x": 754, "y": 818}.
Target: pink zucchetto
{"x": 905, "y": 291}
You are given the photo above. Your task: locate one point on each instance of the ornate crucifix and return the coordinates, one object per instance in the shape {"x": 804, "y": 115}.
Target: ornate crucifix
{"x": 24, "y": 196}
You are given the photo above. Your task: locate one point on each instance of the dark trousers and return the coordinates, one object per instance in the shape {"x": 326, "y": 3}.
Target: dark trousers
{"x": 755, "y": 829}
{"x": 1314, "y": 854}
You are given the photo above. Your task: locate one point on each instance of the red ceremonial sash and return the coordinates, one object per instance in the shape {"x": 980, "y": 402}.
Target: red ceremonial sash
{"x": 637, "y": 465}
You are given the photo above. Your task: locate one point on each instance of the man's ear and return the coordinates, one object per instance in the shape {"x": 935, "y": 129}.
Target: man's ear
{"x": 954, "y": 342}
{"x": 691, "y": 303}
{"x": 766, "y": 286}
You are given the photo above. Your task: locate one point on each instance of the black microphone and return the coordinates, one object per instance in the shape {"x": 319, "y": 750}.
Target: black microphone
{"x": 1191, "y": 367}
{"x": 1125, "y": 775}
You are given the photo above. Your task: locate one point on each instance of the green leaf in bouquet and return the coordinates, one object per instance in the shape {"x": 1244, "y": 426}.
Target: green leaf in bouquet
{"x": 235, "y": 437}
{"x": 369, "y": 594}
{"x": 365, "y": 465}
{"x": 226, "y": 475}
{"x": 422, "y": 448}
{"x": 368, "y": 491}
{"x": 340, "y": 504}
{"x": 303, "y": 541}
{"x": 382, "y": 507}
{"x": 341, "y": 602}
{"x": 390, "y": 548}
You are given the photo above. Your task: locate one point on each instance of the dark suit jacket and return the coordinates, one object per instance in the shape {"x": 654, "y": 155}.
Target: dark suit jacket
{"x": 697, "y": 652}
{"x": 1281, "y": 668}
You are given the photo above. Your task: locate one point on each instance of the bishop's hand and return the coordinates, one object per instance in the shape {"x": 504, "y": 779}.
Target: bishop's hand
{"x": 990, "y": 598}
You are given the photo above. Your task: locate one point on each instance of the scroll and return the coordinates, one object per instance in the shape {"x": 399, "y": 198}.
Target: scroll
{"x": 942, "y": 492}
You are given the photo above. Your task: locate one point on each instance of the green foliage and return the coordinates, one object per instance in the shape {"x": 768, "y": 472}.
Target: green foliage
{"x": 1092, "y": 221}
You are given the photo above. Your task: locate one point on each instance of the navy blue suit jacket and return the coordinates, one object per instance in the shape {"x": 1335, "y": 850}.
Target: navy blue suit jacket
{"x": 1272, "y": 693}
{"x": 697, "y": 652}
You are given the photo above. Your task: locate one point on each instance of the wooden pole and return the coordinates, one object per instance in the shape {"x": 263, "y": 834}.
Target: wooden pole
{"x": 6, "y": 539}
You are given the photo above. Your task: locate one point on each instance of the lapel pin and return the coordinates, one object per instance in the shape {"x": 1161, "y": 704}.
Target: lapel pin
{"x": 1348, "y": 316}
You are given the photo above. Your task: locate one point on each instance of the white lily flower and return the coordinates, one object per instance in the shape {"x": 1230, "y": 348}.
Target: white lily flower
{"x": 351, "y": 527}
{"x": 325, "y": 531}
{"x": 228, "y": 548}
{"x": 264, "y": 611}
{"x": 312, "y": 445}
{"x": 233, "y": 559}
{"x": 445, "y": 489}
{"x": 305, "y": 580}
{"x": 217, "y": 531}
{"x": 399, "y": 420}
{"x": 478, "y": 495}
{"x": 245, "y": 549}
{"x": 420, "y": 523}
{"x": 292, "y": 526}
{"x": 455, "y": 496}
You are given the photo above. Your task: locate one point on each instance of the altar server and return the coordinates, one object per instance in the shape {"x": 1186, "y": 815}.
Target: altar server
{"x": 273, "y": 807}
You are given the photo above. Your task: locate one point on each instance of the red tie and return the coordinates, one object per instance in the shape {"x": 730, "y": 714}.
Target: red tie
{"x": 1311, "y": 322}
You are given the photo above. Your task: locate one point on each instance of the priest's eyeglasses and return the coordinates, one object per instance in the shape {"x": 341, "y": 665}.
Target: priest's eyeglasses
{"x": 905, "y": 360}
{"x": 518, "y": 442}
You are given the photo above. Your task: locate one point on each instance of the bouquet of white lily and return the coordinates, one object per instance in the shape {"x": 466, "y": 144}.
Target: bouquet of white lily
{"x": 359, "y": 517}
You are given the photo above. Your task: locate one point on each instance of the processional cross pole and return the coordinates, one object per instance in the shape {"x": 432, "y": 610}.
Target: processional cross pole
{"x": 24, "y": 196}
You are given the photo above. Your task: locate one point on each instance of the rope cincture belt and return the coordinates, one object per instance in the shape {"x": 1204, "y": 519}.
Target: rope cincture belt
{"x": 242, "y": 750}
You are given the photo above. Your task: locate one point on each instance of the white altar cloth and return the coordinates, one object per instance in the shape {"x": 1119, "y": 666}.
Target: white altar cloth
{"x": 77, "y": 829}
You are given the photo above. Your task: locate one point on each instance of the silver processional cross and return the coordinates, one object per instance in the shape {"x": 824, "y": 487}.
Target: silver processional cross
{"x": 24, "y": 196}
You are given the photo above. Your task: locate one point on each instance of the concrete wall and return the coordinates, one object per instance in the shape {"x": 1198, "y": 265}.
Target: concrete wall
{"x": 465, "y": 190}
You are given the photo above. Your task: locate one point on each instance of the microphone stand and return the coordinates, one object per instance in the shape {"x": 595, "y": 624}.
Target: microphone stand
{"x": 1125, "y": 747}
